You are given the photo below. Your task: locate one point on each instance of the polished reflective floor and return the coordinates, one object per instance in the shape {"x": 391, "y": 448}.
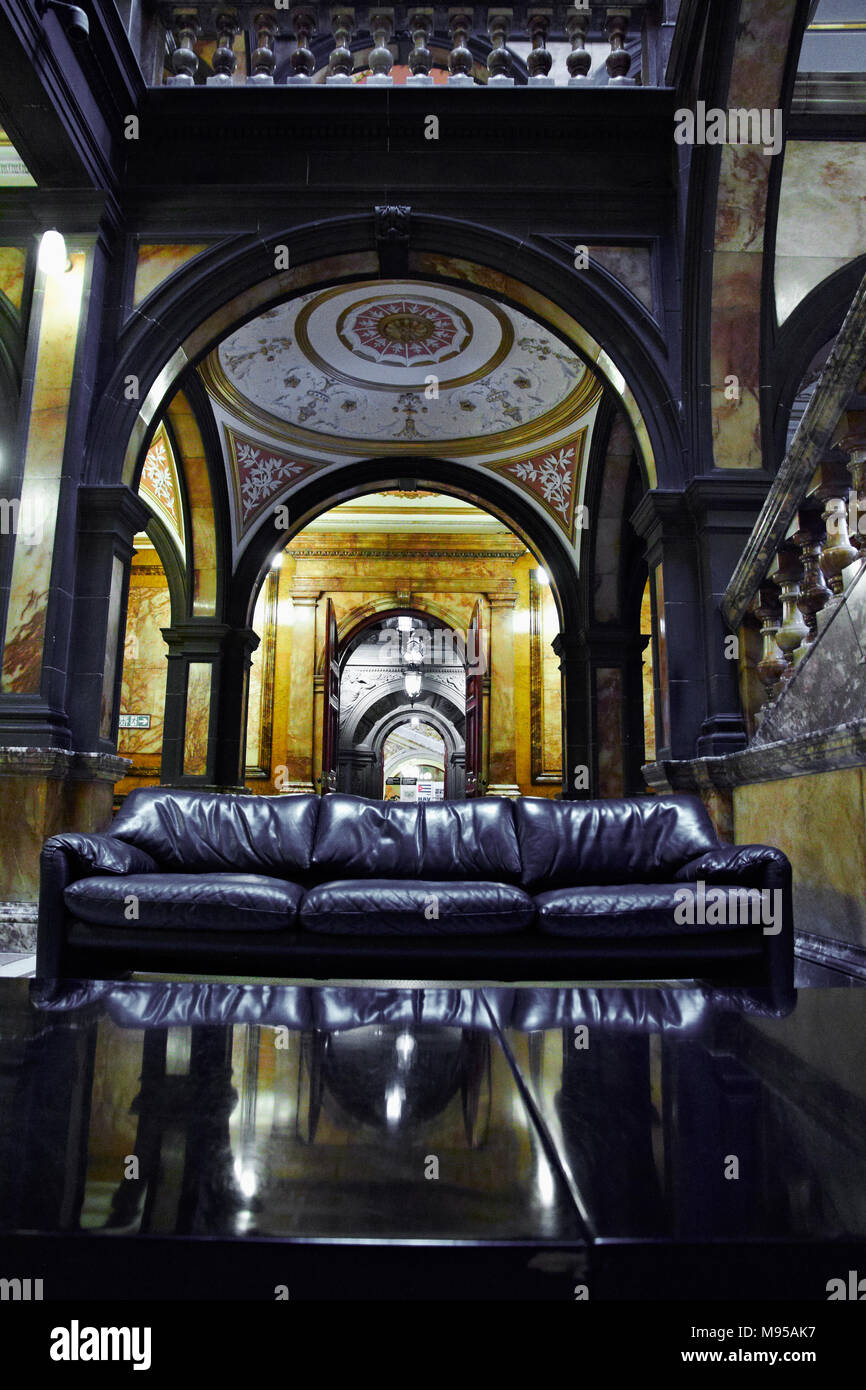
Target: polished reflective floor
{"x": 621, "y": 1135}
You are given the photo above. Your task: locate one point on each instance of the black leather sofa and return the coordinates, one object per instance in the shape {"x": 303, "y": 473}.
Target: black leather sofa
{"x": 345, "y": 887}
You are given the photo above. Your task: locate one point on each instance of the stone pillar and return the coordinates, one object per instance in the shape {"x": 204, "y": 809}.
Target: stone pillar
{"x": 724, "y": 511}
{"x": 302, "y": 674}
{"x": 205, "y": 704}
{"x": 579, "y": 775}
{"x": 502, "y": 762}
{"x": 108, "y": 518}
{"x": 666, "y": 524}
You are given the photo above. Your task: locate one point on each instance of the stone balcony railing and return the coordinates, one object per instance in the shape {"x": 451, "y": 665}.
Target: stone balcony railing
{"x": 577, "y": 45}
{"x": 809, "y": 543}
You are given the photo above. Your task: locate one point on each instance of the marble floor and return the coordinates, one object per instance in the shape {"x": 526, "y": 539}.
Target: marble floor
{"x": 181, "y": 1139}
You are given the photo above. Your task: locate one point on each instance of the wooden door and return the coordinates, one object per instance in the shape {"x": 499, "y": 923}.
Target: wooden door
{"x": 331, "y": 707}
{"x": 474, "y": 686}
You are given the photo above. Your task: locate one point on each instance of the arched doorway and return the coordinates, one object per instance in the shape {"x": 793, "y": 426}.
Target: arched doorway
{"x": 401, "y": 672}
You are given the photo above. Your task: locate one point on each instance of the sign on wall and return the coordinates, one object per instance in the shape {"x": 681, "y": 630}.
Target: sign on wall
{"x": 134, "y": 721}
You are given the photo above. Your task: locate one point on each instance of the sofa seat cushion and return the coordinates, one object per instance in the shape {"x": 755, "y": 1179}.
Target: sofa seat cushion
{"x": 395, "y": 907}
{"x": 219, "y": 902}
{"x": 626, "y": 910}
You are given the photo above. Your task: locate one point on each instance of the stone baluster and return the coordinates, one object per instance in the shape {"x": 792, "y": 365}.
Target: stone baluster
{"x": 420, "y": 57}
{"x": 854, "y": 444}
{"x": 772, "y": 664}
{"x": 499, "y": 58}
{"x": 540, "y": 60}
{"x": 579, "y": 60}
{"x": 460, "y": 60}
{"x": 814, "y": 593}
{"x": 224, "y": 59}
{"x": 839, "y": 553}
{"x": 618, "y": 61}
{"x": 302, "y": 63}
{"x": 262, "y": 58}
{"x": 184, "y": 59}
{"x": 786, "y": 573}
{"x": 342, "y": 63}
{"x": 381, "y": 58}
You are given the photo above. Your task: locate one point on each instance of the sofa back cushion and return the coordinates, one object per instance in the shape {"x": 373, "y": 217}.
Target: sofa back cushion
{"x": 622, "y": 840}
{"x": 220, "y": 832}
{"x": 357, "y": 838}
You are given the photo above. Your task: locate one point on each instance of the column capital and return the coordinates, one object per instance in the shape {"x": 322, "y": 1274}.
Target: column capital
{"x": 305, "y": 595}
{"x": 500, "y": 600}
{"x": 112, "y": 511}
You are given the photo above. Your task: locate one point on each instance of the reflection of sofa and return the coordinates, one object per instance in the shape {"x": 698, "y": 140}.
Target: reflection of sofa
{"x": 144, "y": 1004}
{"x": 345, "y": 887}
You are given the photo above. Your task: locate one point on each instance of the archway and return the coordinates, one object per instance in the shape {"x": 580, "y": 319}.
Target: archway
{"x": 338, "y": 481}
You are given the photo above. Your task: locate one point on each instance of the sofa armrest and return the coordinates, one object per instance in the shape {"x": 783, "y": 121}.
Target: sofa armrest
{"x": 64, "y": 859}
{"x": 736, "y": 864}
{"x": 767, "y": 869}
{"x": 101, "y": 854}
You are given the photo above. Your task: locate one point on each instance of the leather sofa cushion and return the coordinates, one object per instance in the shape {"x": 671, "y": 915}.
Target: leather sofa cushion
{"x": 393, "y": 907}
{"x": 337, "y": 1008}
{"x": 622, "y": 910}
{"x": 458, "y": 840}
{"x": 185, "y": 831}
{"x": 628, "y": 1010}
{"x": 218, "y": 902}
{"x": 179, "y": 1004}
{"x": 629, "y": 839}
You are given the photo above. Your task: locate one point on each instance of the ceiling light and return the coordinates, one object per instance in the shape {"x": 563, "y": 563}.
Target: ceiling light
{"x": 53, "y": 259}
{"x": 414, "y": 721}
{"x": 404, "y": 624}
{"x": 412, "y": 684}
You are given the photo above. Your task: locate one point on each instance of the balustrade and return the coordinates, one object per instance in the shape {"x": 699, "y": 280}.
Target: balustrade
{"x": 585, "y": 44}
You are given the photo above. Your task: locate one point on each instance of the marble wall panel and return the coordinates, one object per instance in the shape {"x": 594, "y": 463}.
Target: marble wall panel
{"x": 13, "y": 263}
{"x": 144, "y": 667}
{"x": 822, "y": 216}
{"x": 819, "y": 821}
{"x": 630, "y": 264}
{"x": 649, "y": 716}
{"x": 763, "y": 33}
{"x": 34, "y": 546}
{"x": 194, "y": 468}
{"x": 157, "y": 261}
{"x": 197, "y": 724}
{"x": 608, "y": 692}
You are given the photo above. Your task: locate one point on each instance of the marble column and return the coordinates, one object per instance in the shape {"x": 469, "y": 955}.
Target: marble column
{"x": 302, "y": 674}
{"x": 205, "y": 704}
{"x": 502, "y": 760}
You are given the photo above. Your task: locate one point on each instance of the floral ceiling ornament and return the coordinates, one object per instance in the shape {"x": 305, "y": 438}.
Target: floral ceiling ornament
{"x": 552, "y": 477}
{"x": 259, "y": 475}
{"x": 159, "y": 486}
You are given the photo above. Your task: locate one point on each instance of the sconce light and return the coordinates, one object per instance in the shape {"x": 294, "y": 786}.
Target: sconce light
{"x": 412, "y": 684}
{"x": 53, "y": 258}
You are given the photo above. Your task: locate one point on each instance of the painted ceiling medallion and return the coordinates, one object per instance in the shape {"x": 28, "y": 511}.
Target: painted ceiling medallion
{"x": 348, "y": 368}
{"x": 404, "y": 332}
{"x": 160, "y": 488}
